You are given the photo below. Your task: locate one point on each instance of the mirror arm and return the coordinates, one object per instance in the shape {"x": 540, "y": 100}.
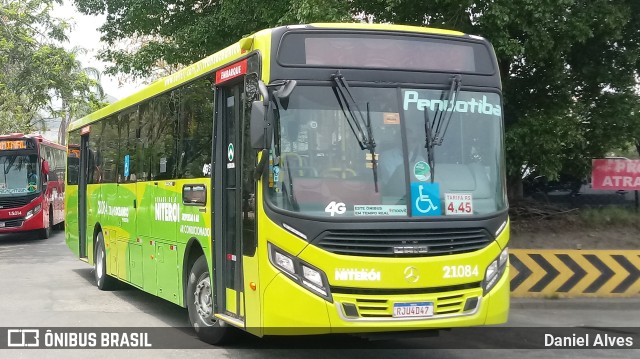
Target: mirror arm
{"x": 261, "y": 164}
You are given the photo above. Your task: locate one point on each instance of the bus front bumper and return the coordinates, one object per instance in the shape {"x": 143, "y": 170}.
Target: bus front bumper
{"x": 290, "y": 309}
{"x": 12, "y": 224}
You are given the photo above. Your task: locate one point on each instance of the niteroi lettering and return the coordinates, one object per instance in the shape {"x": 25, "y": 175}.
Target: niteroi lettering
{"x": 479, "y": 106}
{"x": 358, "y": 274}
{"x": 167, "y": 212}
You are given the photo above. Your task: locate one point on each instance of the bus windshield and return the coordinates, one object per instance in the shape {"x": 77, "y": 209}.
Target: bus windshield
{"x": 319, "y": 168}
{"x": 19, "y": 174}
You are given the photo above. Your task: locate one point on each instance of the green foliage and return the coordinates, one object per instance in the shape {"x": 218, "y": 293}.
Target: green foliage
{"x": 38, "y": 77}
{"x": 569, "y": 67}
{"x": 181, "y": 32}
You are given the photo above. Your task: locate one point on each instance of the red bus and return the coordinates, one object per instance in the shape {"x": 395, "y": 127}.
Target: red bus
{"x": 31, "y": 184}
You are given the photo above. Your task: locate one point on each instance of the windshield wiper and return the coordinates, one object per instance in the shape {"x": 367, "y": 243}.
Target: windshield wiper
{"x": 442, "y": 117}
{"x": 356, "y": 120}
{"x": 429, "y": 143}
{"x": 436, "y": 129}
{"x": 288, "y": 188}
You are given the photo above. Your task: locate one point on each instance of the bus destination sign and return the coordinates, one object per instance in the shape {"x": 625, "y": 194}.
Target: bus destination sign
{"x": 13, "y": 145}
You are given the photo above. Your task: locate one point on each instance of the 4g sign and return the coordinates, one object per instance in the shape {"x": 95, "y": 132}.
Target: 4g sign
{"x": 334, "y": 208}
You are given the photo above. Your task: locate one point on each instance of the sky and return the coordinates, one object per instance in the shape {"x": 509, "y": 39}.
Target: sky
{"x": 84, "y": 33}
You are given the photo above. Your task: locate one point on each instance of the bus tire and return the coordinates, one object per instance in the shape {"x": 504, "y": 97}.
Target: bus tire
{"x": 103, "y": 280}
{"x": 45, "y": 233}
{"x": 200, "y": 306}
{"x": 59, "y": 226}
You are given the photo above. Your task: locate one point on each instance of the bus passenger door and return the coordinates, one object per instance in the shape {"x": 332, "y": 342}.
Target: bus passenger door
{"x": 82, "y": 194}
{"x": 228, "y": 281}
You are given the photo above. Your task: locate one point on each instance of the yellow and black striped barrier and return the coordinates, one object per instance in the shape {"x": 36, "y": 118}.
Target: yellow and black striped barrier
{"x": 575, "y": 273}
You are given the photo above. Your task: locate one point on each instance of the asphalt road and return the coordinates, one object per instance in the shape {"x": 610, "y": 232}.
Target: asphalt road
{"x": 43, "y": 285}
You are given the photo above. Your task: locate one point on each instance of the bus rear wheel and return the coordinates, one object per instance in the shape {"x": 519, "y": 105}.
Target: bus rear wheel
{"x": 103, "y": 280}
{"x": 200, "y": 306}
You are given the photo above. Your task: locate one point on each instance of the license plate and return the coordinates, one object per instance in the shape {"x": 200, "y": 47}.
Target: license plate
{"x": 406, "y": 310}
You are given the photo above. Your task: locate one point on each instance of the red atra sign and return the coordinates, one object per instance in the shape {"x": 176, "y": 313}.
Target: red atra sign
{"x": 615, "y": 174}
{"x": 231, "y": 72}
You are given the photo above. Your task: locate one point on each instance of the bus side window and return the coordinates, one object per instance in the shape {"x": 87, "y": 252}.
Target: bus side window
{"x": 195, "y": 129}
{"x": 162, "y": 136}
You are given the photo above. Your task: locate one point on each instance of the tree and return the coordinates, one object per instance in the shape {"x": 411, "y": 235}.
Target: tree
{"x": 569, "y": 67}
{"x": 180, "y": 32}
{"x": 90, "y": 99}
{"x": 36, "y": 72}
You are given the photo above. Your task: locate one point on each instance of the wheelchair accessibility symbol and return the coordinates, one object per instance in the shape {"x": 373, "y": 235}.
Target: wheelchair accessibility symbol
{"x": 425, "y": 199}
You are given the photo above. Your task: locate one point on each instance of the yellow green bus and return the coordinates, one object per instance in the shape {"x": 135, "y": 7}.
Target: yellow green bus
{"x": 308, "y": 179}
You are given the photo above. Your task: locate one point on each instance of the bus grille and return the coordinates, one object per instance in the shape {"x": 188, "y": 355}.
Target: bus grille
{"x": 405, "y": 243}
{"x": 381, "y": 308}
{"x": 13, "y": 223}
{"x": 15, "y": 202}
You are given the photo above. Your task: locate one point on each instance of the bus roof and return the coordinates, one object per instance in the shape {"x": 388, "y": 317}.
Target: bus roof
{"x": 231, "y": 53}
{"x": 385, "y": 27}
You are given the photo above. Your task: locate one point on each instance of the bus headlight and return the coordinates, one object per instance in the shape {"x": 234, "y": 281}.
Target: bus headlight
{"x": 285, "y": 263}
{"x": 33, "y": 211}
{"x": 301, "y": 272}
{"x": 495, "y": 270}
{"x": 312, "y": 275}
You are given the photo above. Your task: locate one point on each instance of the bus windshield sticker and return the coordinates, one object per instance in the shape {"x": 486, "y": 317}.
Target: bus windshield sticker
{"x": 391, "y": 118}
{"x": 379, "y": 210}
{"x": 422, "y": 171}
{"x": 334, "y": 208}
{"x": 206, "y": 169}
{"x": 126, "y": 165}
{"x": 425, "y": 199}
{"x": 14, "y": 190}
{"x": 163, "y": 165}
{"x": 230, "y": 152}
{"x": 458, "y": 203}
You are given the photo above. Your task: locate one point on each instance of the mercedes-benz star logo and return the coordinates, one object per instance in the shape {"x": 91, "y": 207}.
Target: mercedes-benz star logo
{"x": 411, "y": 274}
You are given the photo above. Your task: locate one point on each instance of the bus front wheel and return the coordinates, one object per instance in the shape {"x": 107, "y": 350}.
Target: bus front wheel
{"x": 45, "y": 233}
{"x": 103, "y": 280}
{"x": 200, "y": 306}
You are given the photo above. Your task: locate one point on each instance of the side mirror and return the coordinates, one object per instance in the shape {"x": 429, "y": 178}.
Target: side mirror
{"x": 258, "y": 125}
{"x": 45, "y": 167}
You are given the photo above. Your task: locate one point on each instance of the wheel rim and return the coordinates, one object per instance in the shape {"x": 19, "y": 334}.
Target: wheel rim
{"x": 202, "y": 300}
{"x": 100, "y": 263}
